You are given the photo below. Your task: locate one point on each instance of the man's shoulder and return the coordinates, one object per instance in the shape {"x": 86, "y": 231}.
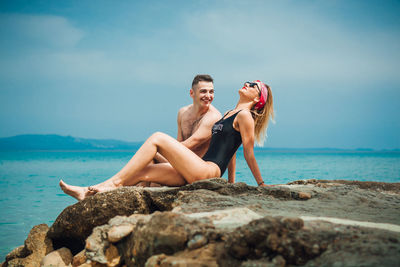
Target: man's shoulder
{"x": 212, "y": 115}
{"x": 184, "y": 109}
{"x": 213, "y": 112}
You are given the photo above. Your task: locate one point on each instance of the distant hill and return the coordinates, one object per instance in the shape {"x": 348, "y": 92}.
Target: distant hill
{"x": 58, "y": 142}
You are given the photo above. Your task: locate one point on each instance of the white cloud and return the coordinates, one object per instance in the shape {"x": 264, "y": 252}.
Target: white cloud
{"x": 297, "y": 45}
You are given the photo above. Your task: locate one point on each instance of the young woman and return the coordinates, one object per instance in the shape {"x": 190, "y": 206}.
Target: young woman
{"x": 243, "y": 125}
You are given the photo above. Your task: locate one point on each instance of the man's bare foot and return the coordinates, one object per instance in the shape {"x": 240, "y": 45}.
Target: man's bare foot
{"x": 78, "y": 192}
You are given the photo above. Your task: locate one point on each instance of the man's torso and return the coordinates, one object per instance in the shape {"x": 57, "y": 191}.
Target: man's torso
{"x": 190, "y": 123}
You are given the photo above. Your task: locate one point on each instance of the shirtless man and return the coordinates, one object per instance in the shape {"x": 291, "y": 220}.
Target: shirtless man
{"x": 196, "y": 120}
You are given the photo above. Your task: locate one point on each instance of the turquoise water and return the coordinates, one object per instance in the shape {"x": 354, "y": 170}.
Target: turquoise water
{"x": 29, "y": 192}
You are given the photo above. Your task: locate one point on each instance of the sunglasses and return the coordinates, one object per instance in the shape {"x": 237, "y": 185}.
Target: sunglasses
{"x": 251, "y": 84}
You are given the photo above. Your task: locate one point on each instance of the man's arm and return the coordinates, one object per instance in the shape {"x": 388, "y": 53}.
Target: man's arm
{"x": 232, "y": 169}
{"x": 203, "y": 133}
{"x": 179, "y": 137}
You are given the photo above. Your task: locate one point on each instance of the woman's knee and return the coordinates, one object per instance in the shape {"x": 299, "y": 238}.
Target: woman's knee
{"x": 159, "y": 137}
{"x": 155, "y": 137}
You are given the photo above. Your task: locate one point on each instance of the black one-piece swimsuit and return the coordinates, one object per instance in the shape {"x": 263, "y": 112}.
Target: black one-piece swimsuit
{"x": 225, "y": 140}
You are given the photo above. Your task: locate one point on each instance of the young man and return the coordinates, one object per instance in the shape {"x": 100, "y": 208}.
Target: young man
{"x": 196, "y": 120}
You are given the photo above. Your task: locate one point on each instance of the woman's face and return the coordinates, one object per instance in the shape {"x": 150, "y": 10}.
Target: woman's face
{"x": 251, "y": 89}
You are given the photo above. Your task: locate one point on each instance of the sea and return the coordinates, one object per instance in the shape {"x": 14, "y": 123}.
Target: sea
{"x": 30, "y": 195}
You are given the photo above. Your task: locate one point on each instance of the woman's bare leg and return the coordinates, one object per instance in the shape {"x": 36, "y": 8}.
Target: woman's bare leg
{"x": 185, "y": 162}
{"x": 162, "y": 173}
{"x": 77, "y": 192}
{"x": 190, "y": 166}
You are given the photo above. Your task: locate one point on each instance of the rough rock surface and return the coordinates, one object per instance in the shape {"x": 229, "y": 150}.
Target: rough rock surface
{"x": 213, "y": 223}
{"x": 60, "y": 258}
{"x": 36, "y": 246}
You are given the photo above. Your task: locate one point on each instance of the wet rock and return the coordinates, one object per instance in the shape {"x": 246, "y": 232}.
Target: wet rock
{"x": 57, "y": 258}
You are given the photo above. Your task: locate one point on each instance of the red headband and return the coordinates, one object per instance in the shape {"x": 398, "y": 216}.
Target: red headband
{"x": 263, "y": 95}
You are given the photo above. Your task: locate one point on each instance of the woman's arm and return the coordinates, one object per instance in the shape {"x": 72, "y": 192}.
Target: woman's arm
{"x": 245, "y": 124}
{"x": 232, "y": 169}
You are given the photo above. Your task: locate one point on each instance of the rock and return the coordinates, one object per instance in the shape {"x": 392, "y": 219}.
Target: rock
{"x": 79, "y": 259}
{"x": 355, "y": 246}
{"x": 213, "y": 223}
{"x": 304, "y": 195}
{"x": 270, "y": 236}
{"x": 204, "y": 257}
{"x": 19, "y": 252}
{"x": 76, "y": 222}
{"x": 228, "y": 218}
{"x": 197, "y": 241}
{"x": 112, "y": 256}
{"x": 116, "y": 233}
{"x": 165, "y": 232}
{"x": 278, "y": 261}
{"x": 58, "y": 258}
{"x": 92, "y": 264}
{"x": 98, "y": 242}
{"x": 162, "y": 234}
{"x": 37, "y": 245}
{"x": 379, "y": 186}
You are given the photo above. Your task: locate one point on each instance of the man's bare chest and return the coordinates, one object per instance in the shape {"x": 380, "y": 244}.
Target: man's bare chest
{"x": 189, "y": 126}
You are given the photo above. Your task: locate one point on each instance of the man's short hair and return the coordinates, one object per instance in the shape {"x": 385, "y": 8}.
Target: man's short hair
{"x": 202, "y": 78}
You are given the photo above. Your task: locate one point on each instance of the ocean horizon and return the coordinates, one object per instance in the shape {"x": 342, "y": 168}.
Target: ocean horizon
{"x": 30, "y": 195}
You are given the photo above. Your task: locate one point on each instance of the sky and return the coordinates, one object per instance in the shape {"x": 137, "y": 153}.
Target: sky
{"x": 121, "y": 69}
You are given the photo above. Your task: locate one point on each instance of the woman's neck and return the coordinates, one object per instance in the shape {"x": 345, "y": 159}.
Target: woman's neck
{"x": 244, "y": 105}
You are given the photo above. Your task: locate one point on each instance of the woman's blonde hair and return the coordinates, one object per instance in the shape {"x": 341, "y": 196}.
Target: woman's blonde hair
{"x": 262, "y": 117}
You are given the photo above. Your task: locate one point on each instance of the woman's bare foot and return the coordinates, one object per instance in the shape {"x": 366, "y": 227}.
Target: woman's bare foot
{"x": 78, "y": 192}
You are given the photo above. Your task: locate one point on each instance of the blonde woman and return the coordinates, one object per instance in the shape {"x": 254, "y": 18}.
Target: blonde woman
{"x": 245, "y": 124}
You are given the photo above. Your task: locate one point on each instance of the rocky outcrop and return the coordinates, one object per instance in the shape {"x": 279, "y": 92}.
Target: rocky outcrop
{"x": 213, "y": 223}
{"x": 76, "y": 222}
{"x": 36, "y": 246}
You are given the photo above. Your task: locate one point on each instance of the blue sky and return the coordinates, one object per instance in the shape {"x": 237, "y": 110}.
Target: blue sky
{"x": 121, "y": 69}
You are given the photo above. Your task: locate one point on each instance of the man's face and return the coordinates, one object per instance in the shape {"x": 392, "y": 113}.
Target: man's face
{"x": 203, "y": 93}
